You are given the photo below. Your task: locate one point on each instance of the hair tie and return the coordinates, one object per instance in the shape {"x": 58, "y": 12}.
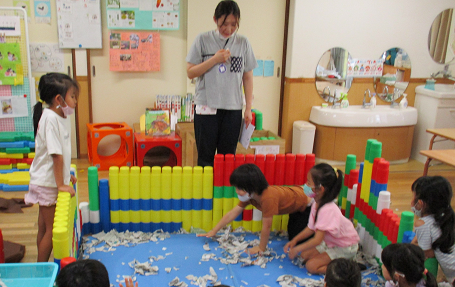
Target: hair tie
{"x": 336, "y": 171}
{"x": 41, "y": 101}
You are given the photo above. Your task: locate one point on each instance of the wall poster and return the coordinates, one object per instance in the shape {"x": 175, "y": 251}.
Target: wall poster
{"x": 143, "y": 14}
{"x": 134, "y": 51}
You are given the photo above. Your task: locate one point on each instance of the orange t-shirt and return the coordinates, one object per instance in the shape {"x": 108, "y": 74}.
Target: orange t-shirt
{"x": 277, "y": 200}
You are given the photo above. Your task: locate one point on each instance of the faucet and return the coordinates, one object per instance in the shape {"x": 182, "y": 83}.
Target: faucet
{"x": 323, "y": 93}
{"x": 335, "y": 103}
{"x": 396, "y": 91}
{"x": 365, "y": 104}
{"x": 385, "y": 92}
{"x": 445, "y": 73}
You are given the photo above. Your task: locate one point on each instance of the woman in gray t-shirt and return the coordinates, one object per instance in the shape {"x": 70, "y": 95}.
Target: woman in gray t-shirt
{"x": 223, "y": 62}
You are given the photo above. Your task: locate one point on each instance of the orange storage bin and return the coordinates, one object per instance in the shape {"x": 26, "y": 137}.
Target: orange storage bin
{"x": 124, "y": 155}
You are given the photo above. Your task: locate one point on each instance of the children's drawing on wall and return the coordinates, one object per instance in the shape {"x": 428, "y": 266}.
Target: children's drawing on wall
{"x": 6, "y": 107}
{"x": 122, "y": 19}
{"x": 10, "y": 64}
{"x": 113, "y": 3}
{"x": 46, "y": 57}
{"x": 134, "y": 51}
{"x": 23, "y": 4}
{"x": 42, "y": 11}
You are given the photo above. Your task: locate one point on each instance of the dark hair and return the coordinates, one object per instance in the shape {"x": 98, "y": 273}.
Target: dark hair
{"x": 409, "y": 260}
{"x": 436, "y": 193}
{"x": 249, "y": 177}
{"x": 83, "y": 273}
{"x": 387, "y": 255}
{"x": 325, "y": 175}
{"x": 226, "y": 8}
{"x": 342, "y": 272}
{"x": 51, "y": 85}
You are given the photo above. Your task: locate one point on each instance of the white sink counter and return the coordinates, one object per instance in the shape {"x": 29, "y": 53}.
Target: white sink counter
{"x": 356, "y": 116}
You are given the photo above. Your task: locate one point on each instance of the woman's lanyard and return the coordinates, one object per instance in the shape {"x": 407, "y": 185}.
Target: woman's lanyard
{"x": 225, "y": 44}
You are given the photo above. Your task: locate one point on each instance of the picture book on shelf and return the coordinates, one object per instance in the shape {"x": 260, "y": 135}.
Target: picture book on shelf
{"x": 157, "y": 122}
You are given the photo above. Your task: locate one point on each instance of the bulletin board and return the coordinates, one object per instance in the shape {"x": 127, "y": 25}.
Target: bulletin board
{"x": 16, "y": 101}
{"x": 79, "y": 24}
{"x": 143, "y": 14}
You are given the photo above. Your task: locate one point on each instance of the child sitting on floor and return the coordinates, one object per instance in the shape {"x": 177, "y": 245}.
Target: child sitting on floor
{"x": 343, "y": 272}
{"x": 403, "y": 265}
{"x": 334, "y": 235}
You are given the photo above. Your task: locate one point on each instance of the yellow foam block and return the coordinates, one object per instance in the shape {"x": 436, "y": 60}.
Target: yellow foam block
{"x": 31, "y": 155}
{"x": 6, "y": 166}
{"x": 23, "y": 165}
{"x": 11, "y": 155}
{"x": 18, "y": 178}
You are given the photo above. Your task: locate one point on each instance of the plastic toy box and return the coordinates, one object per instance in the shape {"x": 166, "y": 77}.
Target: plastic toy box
{"x": 28, "y": 274}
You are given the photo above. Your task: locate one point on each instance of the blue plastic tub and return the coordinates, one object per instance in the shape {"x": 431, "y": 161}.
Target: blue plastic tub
{"x": 28, "y": 274}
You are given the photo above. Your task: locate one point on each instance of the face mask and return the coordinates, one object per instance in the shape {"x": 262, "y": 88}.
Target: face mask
{"x": 418, "y": 213}
{"x": 67, "y": 111}
{"x": 308, "y": 191}
{"x": 217, "y": 32}
{"x": 244, "y": 198}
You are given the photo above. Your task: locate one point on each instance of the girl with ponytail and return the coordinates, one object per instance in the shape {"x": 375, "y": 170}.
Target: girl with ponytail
{"x": 334, "y": 235}
{"x": 435, "y": 230}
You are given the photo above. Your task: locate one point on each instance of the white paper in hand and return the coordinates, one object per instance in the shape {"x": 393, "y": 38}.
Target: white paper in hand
{"x": 246, "y": 134}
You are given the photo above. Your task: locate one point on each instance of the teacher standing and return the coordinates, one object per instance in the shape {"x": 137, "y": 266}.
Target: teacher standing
{"x": 223, "y": 62}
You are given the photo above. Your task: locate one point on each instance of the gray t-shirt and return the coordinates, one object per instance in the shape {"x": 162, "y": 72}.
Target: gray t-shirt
{"x": 429, "y": 233}
{"x": 221, "y": 86}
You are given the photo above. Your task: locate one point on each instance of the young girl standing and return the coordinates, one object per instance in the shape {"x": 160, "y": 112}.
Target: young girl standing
{"x": 50, "y": 169}
{"x": 223, "y": 63}
{"x": 403, "y": 265}
{"x": 435, "y": 230}
{"x": 334, "y": 235}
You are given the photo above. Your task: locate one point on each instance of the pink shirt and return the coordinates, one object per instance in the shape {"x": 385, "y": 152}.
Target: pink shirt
{"x": 339, "y": 231}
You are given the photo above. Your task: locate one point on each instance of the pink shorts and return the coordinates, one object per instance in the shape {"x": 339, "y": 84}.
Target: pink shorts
{"x": 43, "y": 195}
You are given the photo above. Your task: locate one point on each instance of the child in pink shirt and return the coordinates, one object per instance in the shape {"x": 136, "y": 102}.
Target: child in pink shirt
{"x": 334, "y": 235}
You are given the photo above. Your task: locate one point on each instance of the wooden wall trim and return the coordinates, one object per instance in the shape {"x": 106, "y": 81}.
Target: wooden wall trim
{"x": 283, "y": 64}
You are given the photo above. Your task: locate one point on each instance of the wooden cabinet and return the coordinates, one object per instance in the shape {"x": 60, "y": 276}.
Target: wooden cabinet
{"x": 335, "y": 143}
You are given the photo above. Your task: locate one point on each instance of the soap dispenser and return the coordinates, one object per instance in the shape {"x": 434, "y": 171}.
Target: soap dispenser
{"x": 404, "y": 102}
{"x": 344, "y": 101}
{"x": 373, "y": 101}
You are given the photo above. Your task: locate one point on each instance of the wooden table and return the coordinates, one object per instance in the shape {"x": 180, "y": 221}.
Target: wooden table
{"x": 446, "y": 156}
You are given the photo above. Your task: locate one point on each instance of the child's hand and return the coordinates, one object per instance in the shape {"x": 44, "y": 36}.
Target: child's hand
{"x": 73, "y": 179}
{"x": 288, "y": 246}
{"x": 254, "y": 250}
{"x": 293, "y": 253}
{"x": 128, "y": 282}
{"x": 211, "y": 233}
{"x": 67, "y": 188}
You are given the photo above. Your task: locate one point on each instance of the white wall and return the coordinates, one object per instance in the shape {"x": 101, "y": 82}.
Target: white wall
{"x": 365, "y": 28}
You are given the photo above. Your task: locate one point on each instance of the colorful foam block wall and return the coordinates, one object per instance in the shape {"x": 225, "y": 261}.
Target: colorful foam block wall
{"x": 148, "y": 199}
{"x": 66, "y": 233}
{"x": 16, "y": 155}
{"x": 365, "y": 199}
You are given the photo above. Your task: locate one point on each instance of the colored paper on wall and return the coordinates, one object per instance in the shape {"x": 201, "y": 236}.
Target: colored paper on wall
{"x": 259, "y": 70}
{"x": 23, "y": 4}
{"x": 269, "y": 66}
{"x": 138, "y": 51}
{"x": 11, "y": 72}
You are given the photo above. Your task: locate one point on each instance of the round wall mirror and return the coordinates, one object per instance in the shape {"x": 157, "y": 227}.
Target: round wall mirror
{"x": 396, "y": 74}
{"x": 441, "y": 39}
{"x": 331, "y": 79}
